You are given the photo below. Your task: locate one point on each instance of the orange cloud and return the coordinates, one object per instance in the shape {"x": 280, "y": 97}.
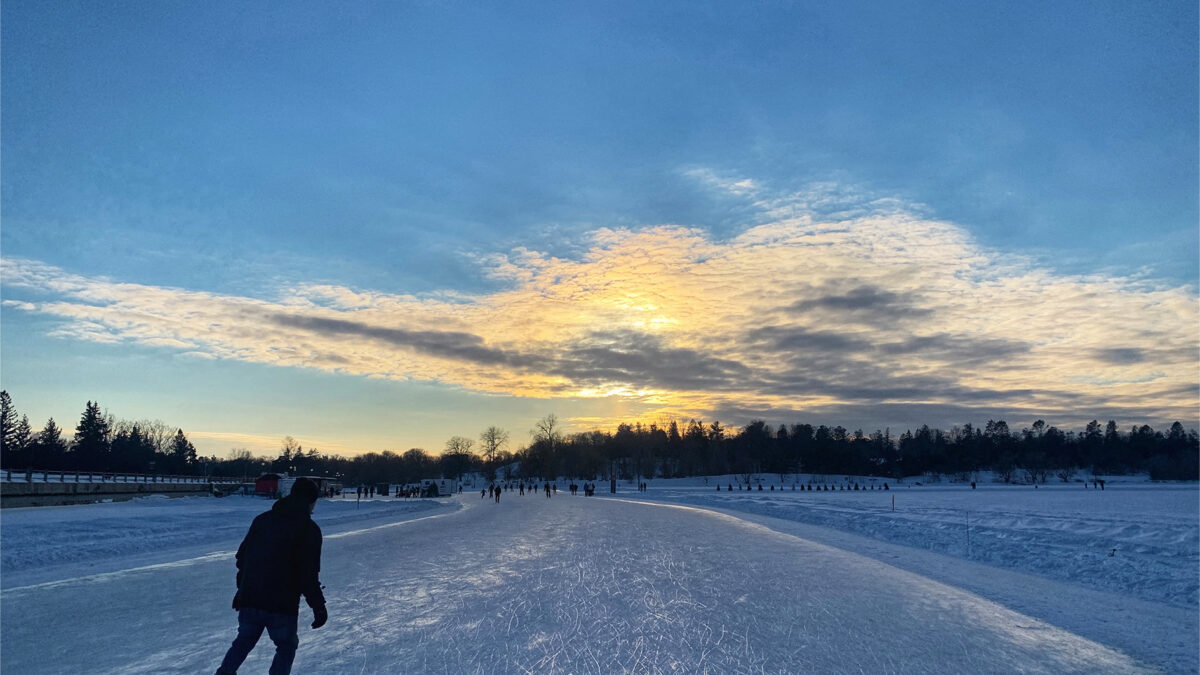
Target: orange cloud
{"x": 879, "y": 309}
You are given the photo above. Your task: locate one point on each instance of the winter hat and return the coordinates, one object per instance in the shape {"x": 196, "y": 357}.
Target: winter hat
{"x": 305, "y": 490}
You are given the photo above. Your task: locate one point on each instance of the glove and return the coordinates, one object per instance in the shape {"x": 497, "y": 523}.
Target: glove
{"x": 237, "y": 600}
{"x": 320, "y": 616}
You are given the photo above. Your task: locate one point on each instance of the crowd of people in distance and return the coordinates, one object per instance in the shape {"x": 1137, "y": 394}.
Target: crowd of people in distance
{"x": 589, "y": 489}
{"x": 810, "y": 487}
{"x": 523, "y": 488}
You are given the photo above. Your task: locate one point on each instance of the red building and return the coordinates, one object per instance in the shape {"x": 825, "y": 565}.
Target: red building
{"x": 267, "y": 484}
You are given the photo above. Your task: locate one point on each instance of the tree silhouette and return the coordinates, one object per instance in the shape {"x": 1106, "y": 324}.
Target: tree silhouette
{"x": 91, "y": 446}
{"x": 22, "y": 442}
{"x": 8, "y": 429}
{"x": 493, "y": 439}
{"x": 50, "y": 449}
{"x": 456, "y": 460}
{"x": 182, "y": 455}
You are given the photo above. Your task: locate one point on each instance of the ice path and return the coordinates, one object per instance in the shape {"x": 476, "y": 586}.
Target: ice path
{"x": 569, "y": 584}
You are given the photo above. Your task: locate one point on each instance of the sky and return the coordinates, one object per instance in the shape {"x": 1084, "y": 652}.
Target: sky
{"x": 379, "y": 225}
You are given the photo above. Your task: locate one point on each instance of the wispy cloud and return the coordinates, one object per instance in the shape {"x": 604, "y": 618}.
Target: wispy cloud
{"x": 264, "y": 445}
{"x": 828, "y": 304}
{"x": 733, "y": 185}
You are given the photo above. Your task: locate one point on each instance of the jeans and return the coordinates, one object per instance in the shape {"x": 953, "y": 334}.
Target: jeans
{"x": 251, "y": 622}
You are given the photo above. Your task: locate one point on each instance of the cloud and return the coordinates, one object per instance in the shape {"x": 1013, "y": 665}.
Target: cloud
{"x": 1120, "y": 355}
{"x": 860, "y": 301}
{"x": 711, "y": 179}
{"x": 451, "y": 345}
{"x": 826, "y": 304}
{"x": 805, "y": 342}
{"x": 628, "y": 357}
{"x": 259, "y": 445}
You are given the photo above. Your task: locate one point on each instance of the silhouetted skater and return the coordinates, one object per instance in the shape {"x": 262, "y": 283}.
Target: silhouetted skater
{"x": 278, "y": 561}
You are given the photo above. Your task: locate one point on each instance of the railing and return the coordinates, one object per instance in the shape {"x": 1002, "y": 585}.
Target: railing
{"x": 44, "y": 476}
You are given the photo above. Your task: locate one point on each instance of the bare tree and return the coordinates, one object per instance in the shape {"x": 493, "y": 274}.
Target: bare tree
{"x": 460, "y": 445}
{"x": 548, "y": 429}
{"x": 158, "y": 433}
{"x": 242, "y": 459}
{"x": 493, "y": 438}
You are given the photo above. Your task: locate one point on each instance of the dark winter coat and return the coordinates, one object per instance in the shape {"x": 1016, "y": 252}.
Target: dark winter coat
{"x": 280, "y": 560}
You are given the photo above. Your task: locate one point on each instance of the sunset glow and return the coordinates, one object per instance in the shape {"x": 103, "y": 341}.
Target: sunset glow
{"x": 383, "y": 247}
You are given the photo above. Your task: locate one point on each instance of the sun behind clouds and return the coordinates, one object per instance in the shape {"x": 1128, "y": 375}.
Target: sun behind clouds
{"x": 877, "y": 307}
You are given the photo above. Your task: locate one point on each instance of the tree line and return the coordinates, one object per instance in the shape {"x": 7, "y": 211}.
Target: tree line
{"x": 1035, "y": 454}
{"x": 100, "y": 443}
{"x": 1038, "y": 453}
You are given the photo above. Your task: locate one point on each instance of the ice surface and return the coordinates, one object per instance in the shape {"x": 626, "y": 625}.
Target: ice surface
{"x": 641, "y": 583}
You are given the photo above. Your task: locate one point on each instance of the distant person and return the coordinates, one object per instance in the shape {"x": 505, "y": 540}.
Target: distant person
{"x": 278, "y": 561}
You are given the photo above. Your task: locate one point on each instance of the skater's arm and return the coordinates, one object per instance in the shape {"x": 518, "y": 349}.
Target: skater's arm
{"x": 310, "y": 568}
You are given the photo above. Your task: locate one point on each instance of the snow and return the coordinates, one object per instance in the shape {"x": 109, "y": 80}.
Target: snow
{"x": 53, "y": 542}
{"x": 1064, "y": 532}
{"x": 671, "y": 580}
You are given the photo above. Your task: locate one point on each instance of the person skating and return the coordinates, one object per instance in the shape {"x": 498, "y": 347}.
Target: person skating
{"x": 278, "y": 561}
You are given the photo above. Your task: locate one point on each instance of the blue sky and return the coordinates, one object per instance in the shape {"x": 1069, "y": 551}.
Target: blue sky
{"x": 255, "y": 151}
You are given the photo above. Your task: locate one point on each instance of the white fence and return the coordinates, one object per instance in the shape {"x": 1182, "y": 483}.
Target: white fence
{"x": 40, "y": 476}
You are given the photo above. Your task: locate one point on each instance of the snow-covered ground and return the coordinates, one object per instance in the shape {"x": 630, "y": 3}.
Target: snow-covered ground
{"x": 64, "y": 542}
{"x": 674, "y": 579}
{"x": 1134, "y": 537}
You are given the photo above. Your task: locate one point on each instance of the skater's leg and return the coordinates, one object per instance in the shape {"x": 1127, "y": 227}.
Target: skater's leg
{"x": 250, "y": 628}
{"x": 282, "y": 629}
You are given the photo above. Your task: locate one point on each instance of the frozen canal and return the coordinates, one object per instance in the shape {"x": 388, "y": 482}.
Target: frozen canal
{"x": 569, "y": 584}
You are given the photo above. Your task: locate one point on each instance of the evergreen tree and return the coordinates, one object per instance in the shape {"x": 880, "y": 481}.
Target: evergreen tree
{"x": 8, "y": 427}
{"x": 132, "y": 450}
{"x": 50, "y": 449}
{"x": 92, "y": 439}
{"x": 182, "y": 453}
{"x": 23, "y": 441}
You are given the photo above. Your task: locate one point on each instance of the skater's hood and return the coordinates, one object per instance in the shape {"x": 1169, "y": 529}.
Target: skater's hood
{"x": 291, "y": 506}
